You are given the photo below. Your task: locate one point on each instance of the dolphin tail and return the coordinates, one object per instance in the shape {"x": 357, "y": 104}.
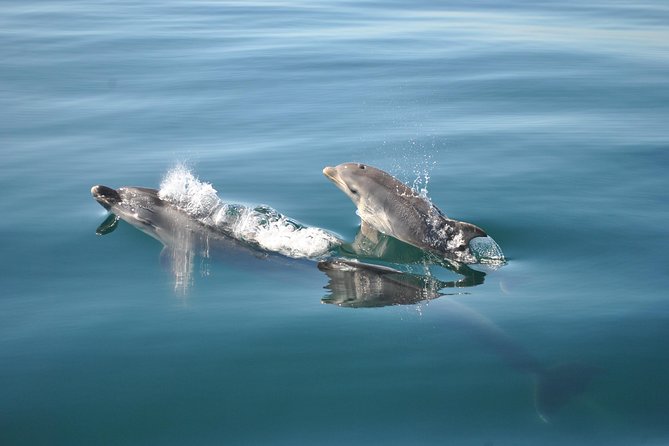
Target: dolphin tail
{"x": 557, "y": 386}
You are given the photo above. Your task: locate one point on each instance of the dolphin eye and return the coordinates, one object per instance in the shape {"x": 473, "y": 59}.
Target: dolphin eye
{"x": 353, "y": 191}
{"x": 362, "y": 166}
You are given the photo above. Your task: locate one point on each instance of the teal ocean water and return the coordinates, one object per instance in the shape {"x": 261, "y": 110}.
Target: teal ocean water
{"x": 544, "y": 123}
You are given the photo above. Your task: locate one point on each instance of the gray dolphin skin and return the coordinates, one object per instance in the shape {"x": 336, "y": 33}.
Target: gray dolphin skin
{"x": 393, "y": 208}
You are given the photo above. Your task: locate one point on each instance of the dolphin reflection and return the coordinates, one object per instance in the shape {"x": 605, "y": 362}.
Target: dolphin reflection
{"x": 357, "y": 284}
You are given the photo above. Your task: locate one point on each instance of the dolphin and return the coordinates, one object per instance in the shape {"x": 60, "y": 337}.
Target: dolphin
{"x": 183, "y": 237}
{"x": 361, "y": 285}
{"x": 391, "y": 207}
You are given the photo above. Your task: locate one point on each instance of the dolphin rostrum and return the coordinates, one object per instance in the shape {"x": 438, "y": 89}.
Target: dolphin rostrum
{"x": 392, "y": 208}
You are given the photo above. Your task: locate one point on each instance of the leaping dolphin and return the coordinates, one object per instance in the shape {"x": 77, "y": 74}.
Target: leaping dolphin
{"x": 392, "y": 208}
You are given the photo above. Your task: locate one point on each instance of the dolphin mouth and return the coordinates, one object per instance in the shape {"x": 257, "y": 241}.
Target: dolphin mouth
{"x": 106, "y": 196}
{"x": 331, "y": 174}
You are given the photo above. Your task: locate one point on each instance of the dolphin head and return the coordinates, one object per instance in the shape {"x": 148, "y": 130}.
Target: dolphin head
{"x": 136, "y": 205}
{"x": 351, "y": 178}
{"x": 358, "y": 180}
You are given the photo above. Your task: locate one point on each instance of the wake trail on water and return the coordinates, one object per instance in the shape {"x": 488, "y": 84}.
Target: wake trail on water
{"x": 260, "y": 226}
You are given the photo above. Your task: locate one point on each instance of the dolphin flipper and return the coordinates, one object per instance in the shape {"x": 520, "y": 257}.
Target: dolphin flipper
{"x": 108, "y": 225}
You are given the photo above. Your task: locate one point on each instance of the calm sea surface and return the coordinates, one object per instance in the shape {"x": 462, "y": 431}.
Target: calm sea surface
{"x": 546, "y": 123}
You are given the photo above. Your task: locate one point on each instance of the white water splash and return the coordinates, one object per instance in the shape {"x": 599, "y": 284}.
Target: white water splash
{"x": 422, "y": 175}
{"x": 487, "y": 251}
{"x": 416, "y": 157}
{"x": 181, "y": 188}
{"x": 261, "y": 226}
{"x": 273, "y": 231}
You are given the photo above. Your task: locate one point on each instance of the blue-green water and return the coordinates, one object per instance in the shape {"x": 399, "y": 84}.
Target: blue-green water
{"x": 544, "y": 123}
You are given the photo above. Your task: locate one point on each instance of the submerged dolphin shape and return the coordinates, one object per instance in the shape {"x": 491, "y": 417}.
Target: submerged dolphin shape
{"x": 353, "y": 284}
{"x": 393, "y": 208}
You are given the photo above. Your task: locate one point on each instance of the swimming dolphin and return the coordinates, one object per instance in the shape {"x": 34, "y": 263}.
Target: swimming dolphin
{"x": 391, "y": 207}
{"x": 183, "y": 236}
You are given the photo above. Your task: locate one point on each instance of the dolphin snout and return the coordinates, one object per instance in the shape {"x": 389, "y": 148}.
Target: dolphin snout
{"x": 106, "y": 196}
{"x": 330, "y": 172}
{"x": 104, "y": 191}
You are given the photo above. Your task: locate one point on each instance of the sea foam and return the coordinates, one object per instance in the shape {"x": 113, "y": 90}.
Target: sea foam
{"x": 261, "y": 226}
